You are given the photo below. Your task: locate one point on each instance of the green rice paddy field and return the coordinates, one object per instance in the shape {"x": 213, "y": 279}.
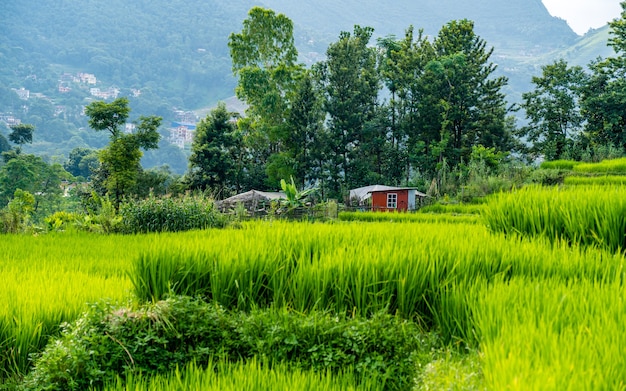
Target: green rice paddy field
{"x": 529, "y": 296}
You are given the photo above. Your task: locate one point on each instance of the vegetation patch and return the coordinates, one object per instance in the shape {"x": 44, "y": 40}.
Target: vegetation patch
{"x": 589, "y": 215}
{"x": 110, "y": 341}
{"x": 612, "y": 166}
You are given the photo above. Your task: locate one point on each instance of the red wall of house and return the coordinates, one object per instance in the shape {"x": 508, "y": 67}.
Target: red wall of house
{"x": 379, "y": 200}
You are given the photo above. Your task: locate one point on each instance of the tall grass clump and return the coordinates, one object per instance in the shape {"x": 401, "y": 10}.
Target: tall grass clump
{"x": 167, "y": 214}
{"x": 559, "y": 165}
{"x": 612, "y": 166}
{"x": 254, "y": 374}
{"x": 589, "y": 215}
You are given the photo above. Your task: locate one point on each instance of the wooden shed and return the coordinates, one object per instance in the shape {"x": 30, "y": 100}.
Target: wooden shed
{"x": 401, "y": 199}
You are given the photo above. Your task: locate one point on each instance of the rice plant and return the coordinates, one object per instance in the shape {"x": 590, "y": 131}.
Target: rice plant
{"x": 439, "y": 217}
{"x": 358, "y": 269}
{"x": 595, "y": 180}
{"x": 453, "y": 208}
{"x": 613, "y": 166}
{"x": 252, "y": 375}
{"x": 589, "y": 215}
{"x": 49, "y": 279}
{"x": 559, "y": 164}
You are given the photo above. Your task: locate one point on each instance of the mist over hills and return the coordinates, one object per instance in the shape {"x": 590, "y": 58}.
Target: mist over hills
{"x": 173, "y": 55}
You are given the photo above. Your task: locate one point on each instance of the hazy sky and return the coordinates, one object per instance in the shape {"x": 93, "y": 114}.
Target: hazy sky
{"x": 582, "y": 15}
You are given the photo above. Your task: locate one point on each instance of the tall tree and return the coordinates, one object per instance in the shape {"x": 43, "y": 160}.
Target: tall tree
{"x": 604, "y": 96}
{"x": 210, "y": 164}
{"x": 553, "y": 111}
{"x": 304, "y": 143}
{"x": 460, "y": 95}
{"x": 21, "y": 134}
{"x": 120, "y": 165}
{"x": 403, "y": 64}
{"x": 264, "y": 60}
{"x": 351, "y": 84}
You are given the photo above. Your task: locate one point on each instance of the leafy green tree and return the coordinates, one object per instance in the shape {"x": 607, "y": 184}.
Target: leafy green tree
{"x": 30, "y": 173}
{"x": 350, "y": 82}
{"x": 604, "y": 95}
{"x": 21, "y": 134}
{"x": 211, "y": 164}
{"x": 402, "y": 65}
{"x": 461, "y": 101}
{"x": 553, "y": 110}
{"x": 120, "y": 160}
{"x": 17, "y": 173}
{"x": 304, "y": 144}
{"x": 4, "y": 144}
{"x": 81, "y": 162}
{"x": 264, "y": 60}
{"x": 15, "y": 216}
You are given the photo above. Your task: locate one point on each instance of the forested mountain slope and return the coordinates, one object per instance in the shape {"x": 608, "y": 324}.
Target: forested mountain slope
{"x": 173, "y": 55}
{"x": 178, "y": 49}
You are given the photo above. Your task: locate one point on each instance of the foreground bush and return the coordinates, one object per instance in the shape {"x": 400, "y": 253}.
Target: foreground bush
{"x": 170, "y": 215}
{"x": 149, "y": 340}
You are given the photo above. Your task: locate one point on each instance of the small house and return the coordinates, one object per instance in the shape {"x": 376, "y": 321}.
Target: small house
{"x": 400, "y": 199}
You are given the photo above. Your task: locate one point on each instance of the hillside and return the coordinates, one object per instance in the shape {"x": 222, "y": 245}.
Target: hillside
{"x": 172, "y": 56}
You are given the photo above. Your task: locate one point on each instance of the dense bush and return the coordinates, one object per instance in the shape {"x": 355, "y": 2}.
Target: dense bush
{"x": 170, "y": 214}
{"x": 108, "y": 342}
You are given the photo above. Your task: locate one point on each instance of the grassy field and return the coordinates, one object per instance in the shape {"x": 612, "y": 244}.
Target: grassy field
{"x": 536, "y": 293}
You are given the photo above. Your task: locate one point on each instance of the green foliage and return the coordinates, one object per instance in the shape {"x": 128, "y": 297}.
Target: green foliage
{"x": 553, "y": 110}
{"x": 167, "y": 214}
{"x": 294, "y": 198}
{"x": 548, "y": 176}
{"x": 110, "y": 341}
{"x": 21, "y": 134}
{"x": 264, "y": 60}
{"x": 120, "y": 160}
{"x": 61, "y": 221}
{"x": 14, "y": 218}
{"x": 350, "y": 84}
{"x": 213, "y": 152}
{"x": 81, "y": 162}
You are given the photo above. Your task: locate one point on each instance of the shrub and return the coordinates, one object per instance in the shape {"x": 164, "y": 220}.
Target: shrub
{"x": 170, "y": 214}
{"x": 108, "y": 342}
